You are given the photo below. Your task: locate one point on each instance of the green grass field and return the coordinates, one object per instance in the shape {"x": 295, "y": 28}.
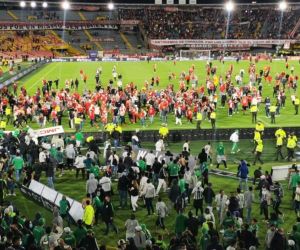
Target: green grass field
{"x": 76, "y": 189}
{"x": 138, "y": 72}
{"x": 6, "y": 74}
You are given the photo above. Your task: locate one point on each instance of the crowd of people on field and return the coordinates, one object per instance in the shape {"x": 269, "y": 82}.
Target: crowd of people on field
{"x": 187, "y": 98}
{"x": 171, "y": 187}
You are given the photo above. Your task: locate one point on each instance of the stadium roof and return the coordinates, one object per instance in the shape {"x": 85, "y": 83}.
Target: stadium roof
{"x": 89, "y": 2}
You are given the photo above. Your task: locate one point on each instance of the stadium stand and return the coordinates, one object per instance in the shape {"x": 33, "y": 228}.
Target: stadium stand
{"x": 104, "y": 30}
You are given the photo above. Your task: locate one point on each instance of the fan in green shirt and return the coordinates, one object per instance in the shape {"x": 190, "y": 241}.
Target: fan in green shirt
{"x": 173, "y": 169}
{"x": 80, "y": 232}
{"x": 79, "y": 137}
{"x": 142, "y": 165}
{"x": 97, "y": 203}
{"x": 18, "y": 162}
{"x": 180, "y": 224}
{"x": 95, "y": 170}
{"x": 64, "y": 206}
{"x": 53, "y": 152}
{"x": 39, "y": 231}
{"x": 220, "y": 149}
{"x": 182, "y": 185}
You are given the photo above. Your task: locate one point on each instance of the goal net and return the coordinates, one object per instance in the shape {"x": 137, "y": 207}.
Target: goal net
{"x": 194, "y": 55}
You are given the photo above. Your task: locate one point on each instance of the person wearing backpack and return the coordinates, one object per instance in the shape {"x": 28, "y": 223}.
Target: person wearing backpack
{"x": 198, "y": 197}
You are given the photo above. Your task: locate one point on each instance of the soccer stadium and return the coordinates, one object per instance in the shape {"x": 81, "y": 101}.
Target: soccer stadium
{"x": 149, "y": 124}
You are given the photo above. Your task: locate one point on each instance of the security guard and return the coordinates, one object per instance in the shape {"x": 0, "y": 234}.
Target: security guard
{"x": 163, "y": 131}
{"x": 279, "y": 143}
{"x": 213, "y": 116}
{"x": 257, "y": 137}
{"x": 291, "y": 145}
{"x": 296, "y": 103}
{"x": 109, "y": 127}
{"x": 280, "y": 132}
{"x": 272, "y": 113}
{"x": 258, "y": 152}
{"x": 253, "y": 111}
{"x": 199, "y": 120}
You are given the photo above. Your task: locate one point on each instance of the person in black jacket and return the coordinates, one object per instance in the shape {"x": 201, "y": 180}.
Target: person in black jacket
{"x": 279, "y": 241}
{"x": 50, "y": 166}
{"x": 209, "y": 195}
{"x": 108, "y": 214}
{"x": 123, "y": 185}
{"x": 89, "y": 242}
{"x": 192, "y": 224}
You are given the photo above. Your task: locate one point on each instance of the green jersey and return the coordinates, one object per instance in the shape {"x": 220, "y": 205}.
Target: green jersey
{"x": 180, "y": 223}
{"x": 181, "y": 185}
{"x": 294, "y": 180}
{"x": 142, "y": 165}
{"x": 80, "y": 233}
{"x": 220, "y": 150}
{"x": 173, "y": 169}
{"x": 64, "y": 207}
{"x": 79, "y": 137}
{"x": 97, "y": 203}
{"x": 18, "y": 163}
{"x": 38, "y": 233}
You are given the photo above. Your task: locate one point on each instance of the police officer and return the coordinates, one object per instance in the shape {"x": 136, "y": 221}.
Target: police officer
{"x": 296, "y": 104}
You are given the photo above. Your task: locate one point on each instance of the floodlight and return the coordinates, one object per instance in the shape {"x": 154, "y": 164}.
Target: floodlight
{"x": 45, "y": 4}
{"x": 283, "y": 5}
{"x": 110, "y": 6}
{"x": 33, "y": 4}
{"x": 23, "y": 4}
{"x": 65, "y": 5}
{"x": 229, "y": 6}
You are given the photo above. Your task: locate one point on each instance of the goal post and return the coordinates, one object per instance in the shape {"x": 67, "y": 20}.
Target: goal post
{"x": 194, "y": 55}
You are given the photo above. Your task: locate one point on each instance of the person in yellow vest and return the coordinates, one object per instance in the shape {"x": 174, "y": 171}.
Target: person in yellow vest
{"x": 296, "y": 104}
{"x": 291, "y": 145}
{"x": 213, "y": 116}
{"x": 3, "y": 125}
{"x": 88, "y": 215}
{"x": 253, "y": 111}
{"x": 257, "y": 137}
{"x": 199, "y": 120}
{"x": 272, "y": 113}
{"x": 8, "y": 115}
{"x": 279, "y": 144}
{"x": 163, "y": 131}
{"x": 78, "y": 123}
{"x": 258, "y": 152}
{"x": 280, "y": 132}
{"x": 109, "y": 127}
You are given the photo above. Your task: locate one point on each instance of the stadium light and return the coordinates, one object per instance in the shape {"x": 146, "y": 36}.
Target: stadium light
{"x": 33, "y": 4}
{"x": 229, "y": 6}
{"x": 22, "y": 4}
{"x": 110, "y": 6}
{"x": 45, "y": 4}
{"x": 282, "y": 5}
{"x": 65, "y": 5}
